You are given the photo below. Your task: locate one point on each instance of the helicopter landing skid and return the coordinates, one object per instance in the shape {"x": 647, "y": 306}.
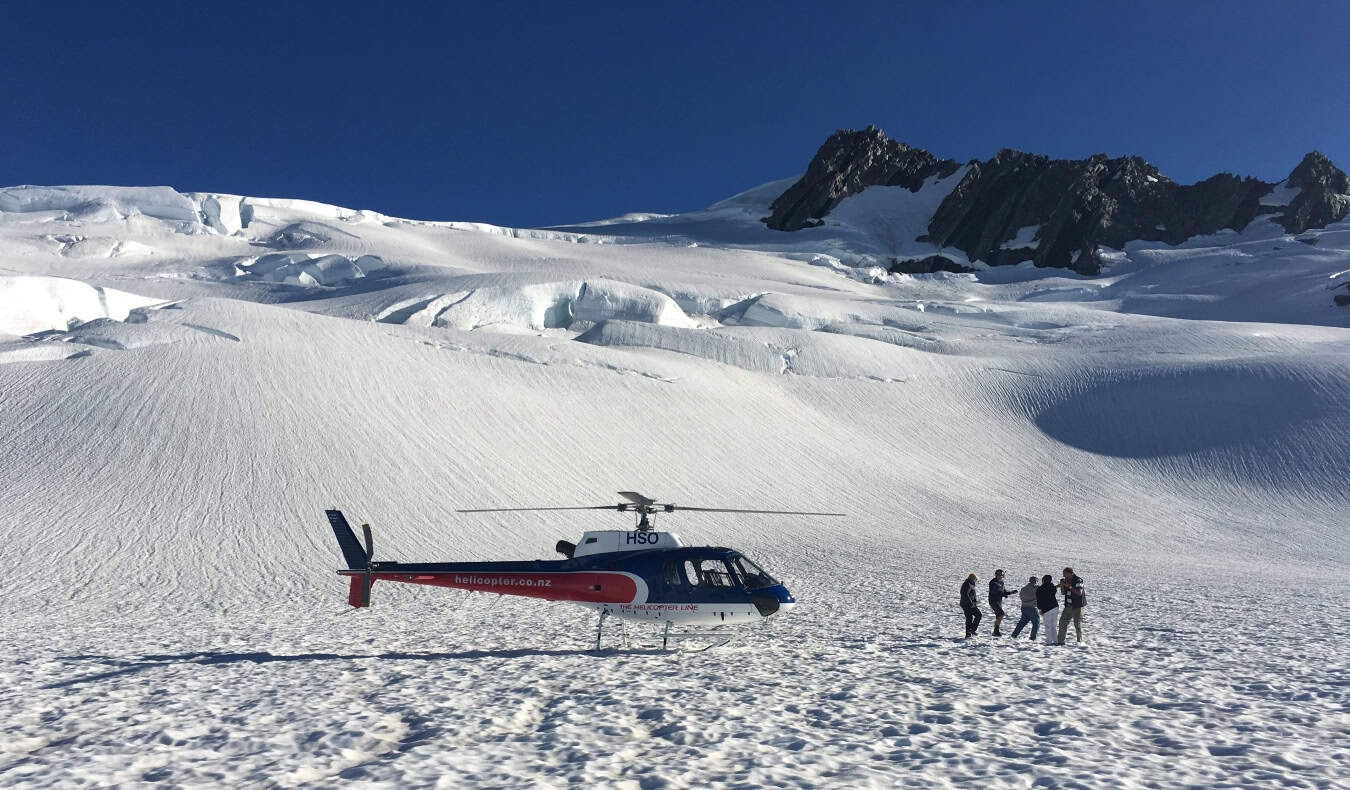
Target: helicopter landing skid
{"x": 714, "y": 638}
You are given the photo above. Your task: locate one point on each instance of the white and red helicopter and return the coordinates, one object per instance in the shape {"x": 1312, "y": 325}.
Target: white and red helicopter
{"x": 638, "y": 574}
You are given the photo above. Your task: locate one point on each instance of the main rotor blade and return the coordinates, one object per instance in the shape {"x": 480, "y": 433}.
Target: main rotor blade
{"x": 735, "y": 510}
{"x": 635, "y": 497}
{"x": 619, "y": 507}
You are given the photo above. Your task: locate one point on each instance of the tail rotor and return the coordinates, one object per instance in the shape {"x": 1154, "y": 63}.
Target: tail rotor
{"x": 370, "y": 556}
{"x": 360, "y": 560}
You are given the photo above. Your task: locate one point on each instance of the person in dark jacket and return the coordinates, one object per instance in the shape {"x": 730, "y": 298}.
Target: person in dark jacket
{"x": 1047, "y": 601}
{"x": 1030, "y": 614}
{"x": 970, "y": 605}
{"x": 997, "y": 592}
{"x": 1075, "y": 598}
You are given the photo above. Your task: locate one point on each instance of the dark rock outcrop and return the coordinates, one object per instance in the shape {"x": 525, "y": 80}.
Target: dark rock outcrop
{"x": 849, "y": 162}
{"x": 1324, "y": 198}
{"x": 933, "y": 263}
{"x": 1080, "y": 204}
{"x": 1075, "y": 205}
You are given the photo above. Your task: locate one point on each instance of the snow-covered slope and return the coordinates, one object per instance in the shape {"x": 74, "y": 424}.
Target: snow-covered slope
{"x": 188, "y": 380}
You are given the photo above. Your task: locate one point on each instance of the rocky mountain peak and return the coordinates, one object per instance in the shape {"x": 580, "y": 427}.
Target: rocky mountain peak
{"x": 1324, "y": 195}
{"x": 1316, "y": 170}
{"x": 849, "y": 162}
{"x": 1061, "y": 209}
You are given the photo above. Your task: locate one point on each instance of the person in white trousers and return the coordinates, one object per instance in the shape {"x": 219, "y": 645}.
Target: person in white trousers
{"x": 1048, "y": 602}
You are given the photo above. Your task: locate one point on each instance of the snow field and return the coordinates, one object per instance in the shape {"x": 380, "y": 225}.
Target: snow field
{"x": 864, "y": 687}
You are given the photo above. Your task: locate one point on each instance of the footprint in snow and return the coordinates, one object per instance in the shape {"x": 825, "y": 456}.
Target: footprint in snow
{"x": 1053, "y": 728}
{"x": 1229, "y": 750}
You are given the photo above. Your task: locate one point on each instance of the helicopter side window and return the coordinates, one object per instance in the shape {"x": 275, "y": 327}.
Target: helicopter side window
{"x": 714, "y": 573}
{"x": 691, "y": 572}
{"x": 753, "y": 575}
{"x": 673, "y": 575}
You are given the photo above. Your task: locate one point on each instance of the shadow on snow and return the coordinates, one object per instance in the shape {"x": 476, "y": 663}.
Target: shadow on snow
{"x": 126, "y": 666}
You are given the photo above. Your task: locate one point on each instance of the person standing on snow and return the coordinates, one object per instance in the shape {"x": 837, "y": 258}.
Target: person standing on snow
{"x": 997, "y": 592}
{"x": 1075, "y": 598}
{"x": 970, "y": 605}
{"x": 1048, "y": 603}
{"x": 1030, "y": 614}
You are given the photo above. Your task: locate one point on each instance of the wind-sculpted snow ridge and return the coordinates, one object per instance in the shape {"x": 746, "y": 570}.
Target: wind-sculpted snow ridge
{"x": 841, "y": 352}
{"x": 1221, "y": 419}
{"x": 1177, "y": 430}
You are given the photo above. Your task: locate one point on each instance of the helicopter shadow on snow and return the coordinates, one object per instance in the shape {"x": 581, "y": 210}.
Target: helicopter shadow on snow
{"x": 126, "y": 666}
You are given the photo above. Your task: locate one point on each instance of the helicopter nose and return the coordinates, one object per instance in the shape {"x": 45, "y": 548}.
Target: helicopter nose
{"x": 773, "y": 600}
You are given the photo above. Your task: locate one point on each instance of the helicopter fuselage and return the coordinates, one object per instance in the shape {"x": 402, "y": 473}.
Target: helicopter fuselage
{"x": 658, "y": 580}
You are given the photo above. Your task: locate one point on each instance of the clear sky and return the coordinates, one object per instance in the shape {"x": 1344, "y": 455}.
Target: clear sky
{"x": 534, "y": 114}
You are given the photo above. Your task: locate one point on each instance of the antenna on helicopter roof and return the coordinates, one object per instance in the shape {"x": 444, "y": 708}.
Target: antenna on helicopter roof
{"x": 646, "y": 509}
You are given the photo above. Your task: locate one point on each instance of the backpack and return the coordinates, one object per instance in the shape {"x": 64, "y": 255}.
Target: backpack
{"x": 1082, "y": 594}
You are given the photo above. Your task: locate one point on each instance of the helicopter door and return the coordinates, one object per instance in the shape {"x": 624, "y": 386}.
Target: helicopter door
{"x": 672, "y": 575}
{"x": 713, "y": 581}
{"x": 713, "y": 573}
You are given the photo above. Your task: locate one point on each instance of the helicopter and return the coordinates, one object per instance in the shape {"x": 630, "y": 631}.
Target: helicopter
{"x": 639, "y": 575}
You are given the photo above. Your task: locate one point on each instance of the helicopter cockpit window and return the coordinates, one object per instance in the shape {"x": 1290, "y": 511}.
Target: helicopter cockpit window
{"x": 753, "y": 575}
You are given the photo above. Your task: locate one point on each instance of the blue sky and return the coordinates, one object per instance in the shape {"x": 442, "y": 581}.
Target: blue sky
{"x": 535, "y": 114}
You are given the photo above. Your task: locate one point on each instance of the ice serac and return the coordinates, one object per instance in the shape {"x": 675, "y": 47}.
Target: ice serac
{"x": 849, "y": 162}
{"x": 100, "y": 202}
{"x": 1323, "y": 198}
{"x": 30, "y": 303}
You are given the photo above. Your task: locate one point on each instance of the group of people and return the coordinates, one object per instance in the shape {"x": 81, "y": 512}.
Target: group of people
{"x": 1039, "y": 602}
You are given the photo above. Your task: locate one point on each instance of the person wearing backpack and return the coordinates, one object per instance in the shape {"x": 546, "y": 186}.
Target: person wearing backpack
{"x": 970, "y": 605}
{"x": 1075, "y": 598}
{"x": 1048, "y": 603}
{"x": 1030, "y": 614}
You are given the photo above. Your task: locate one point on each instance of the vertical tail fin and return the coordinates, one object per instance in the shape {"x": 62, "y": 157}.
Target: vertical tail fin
{"x": 358, "y": 559}
{"x": 351, "y": 549}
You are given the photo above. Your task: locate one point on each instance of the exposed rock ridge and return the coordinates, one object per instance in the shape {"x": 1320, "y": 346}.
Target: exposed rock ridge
{"x": 1073, "y": 205}
{"x": 1076, "y": 205}
{"x": 849, "y": 162}
{"x": 1324, "y": 197}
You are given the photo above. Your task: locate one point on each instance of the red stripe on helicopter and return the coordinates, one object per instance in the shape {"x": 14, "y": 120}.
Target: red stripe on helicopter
{"x": 585, "y": 586}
